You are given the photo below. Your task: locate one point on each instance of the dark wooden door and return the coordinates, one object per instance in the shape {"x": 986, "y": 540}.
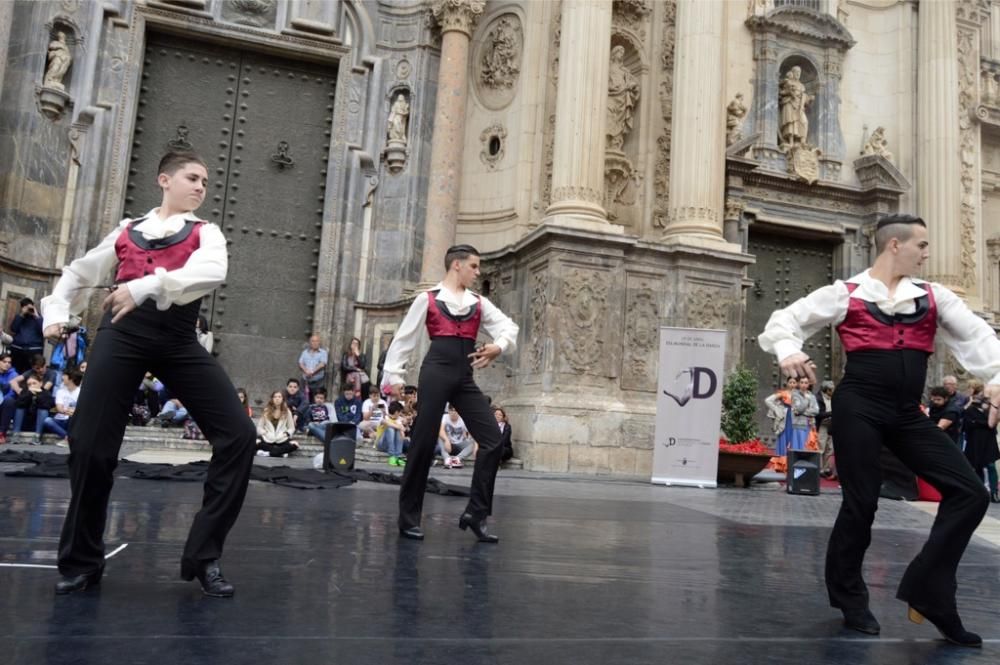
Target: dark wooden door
{"x": 786, "y": 269}
{"x": 263, "y": 126}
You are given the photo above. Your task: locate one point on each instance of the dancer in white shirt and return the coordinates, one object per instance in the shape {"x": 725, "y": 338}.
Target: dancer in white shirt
{"x": 163, "y": 263}
{"x": 452, "y": 316}
{"x": 888, "y": 321}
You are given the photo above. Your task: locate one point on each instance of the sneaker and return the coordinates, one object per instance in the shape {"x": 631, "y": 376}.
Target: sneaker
{"x": 35, "y": 440}
{"x": 402, "y": 462}
{"x": 262, "y": 453}
{"x": 392, "y": 460}
{"x": 63, "y": 443}
{"x": 456, "y": 463}
{"x": 447, "y": 462}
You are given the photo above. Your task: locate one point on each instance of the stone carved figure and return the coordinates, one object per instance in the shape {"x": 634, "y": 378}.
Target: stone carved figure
{"x": 500, "y": 65}
{"x": 734, "y": 116}
{"x": 398, "y": 117}
{"x": 759, "y": 7}
{"x": 793, "y": 100}
{"x": 623, "y": 93}
{"x": 59, "y": 62}
{"x": 877, "y": 144}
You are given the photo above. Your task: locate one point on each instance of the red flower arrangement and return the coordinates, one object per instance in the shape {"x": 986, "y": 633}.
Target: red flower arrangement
{"x": 751, "y": 447}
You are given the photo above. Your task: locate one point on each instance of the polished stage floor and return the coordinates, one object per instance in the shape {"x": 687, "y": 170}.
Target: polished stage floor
{"x": 587, "y": 571}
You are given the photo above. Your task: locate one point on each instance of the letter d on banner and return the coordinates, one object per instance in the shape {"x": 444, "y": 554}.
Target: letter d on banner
{"x": 688, "y": 406}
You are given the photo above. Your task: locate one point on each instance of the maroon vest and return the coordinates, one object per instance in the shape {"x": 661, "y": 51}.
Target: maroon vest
{"x": 867, "y": 328}
{"x": 139, "y": 256}
{"x": 442, "y": 323}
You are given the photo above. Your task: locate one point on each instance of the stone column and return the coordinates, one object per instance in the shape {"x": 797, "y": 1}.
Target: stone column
{"x": 456, "y": 19}
{"x": 581, "y": 115}
{"x": 938, "y": 193}
{"x": 6, "y": 18}
{"x": 698, "y": 136}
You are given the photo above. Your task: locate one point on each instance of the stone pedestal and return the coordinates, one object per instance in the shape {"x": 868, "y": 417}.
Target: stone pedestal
{"x": 456, "y": 19}
{"x": 578, "y": 150}
{"x": 938, "y": 194}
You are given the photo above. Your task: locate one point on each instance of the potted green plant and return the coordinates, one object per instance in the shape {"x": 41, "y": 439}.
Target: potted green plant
{"x": 742, "y": 454}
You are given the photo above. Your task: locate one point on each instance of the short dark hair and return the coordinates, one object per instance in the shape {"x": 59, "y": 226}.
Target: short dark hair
{"x": 940, "y": 391}
{"x": 409, "y": 390}
{"x": 26, "y": 301}
{"x": 292, "y": 380}
{"x": 895, "y": 226}
{"x": 74, "y": 375}
{"x": 395, "y": 408}
{"x": 346, "y": 387}
{"x": 173, "y": 161}
{"x": 458, "y": 253}
{"x": 37, "y": 359}
{"x": 6, "y": 356}
{"x": 320, "y": 391}
{"x": 374, "y": 389}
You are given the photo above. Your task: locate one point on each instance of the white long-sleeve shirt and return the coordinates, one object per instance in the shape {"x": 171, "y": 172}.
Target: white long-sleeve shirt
{"x": 498, "y": 325}
{"x": 967, "y": 336}
{"x": 204, "y": 270}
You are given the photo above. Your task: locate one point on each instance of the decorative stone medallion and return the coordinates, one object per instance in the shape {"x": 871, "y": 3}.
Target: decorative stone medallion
{"x": 497, "y": 61}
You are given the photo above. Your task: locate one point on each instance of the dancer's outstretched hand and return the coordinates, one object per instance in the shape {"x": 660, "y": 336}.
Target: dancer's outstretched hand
{"x": 992, "y": 393}
{"x": 484, "y": 356}
{"x": 799, "y": 365}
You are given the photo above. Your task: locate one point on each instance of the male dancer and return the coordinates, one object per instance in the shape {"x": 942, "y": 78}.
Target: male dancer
{"x": 887, "y": 321}
{"x": 452, "y": 316}
{"x": 164, "y": 263}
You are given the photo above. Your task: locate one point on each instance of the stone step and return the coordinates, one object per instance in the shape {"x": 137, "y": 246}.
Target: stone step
{"x": 171, "y": 438}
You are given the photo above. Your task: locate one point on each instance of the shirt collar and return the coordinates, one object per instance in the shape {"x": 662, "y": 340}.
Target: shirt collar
{"x": 873, "y": 290}
{"x": 467, "y": 298}
{"x": 178, "y": 219}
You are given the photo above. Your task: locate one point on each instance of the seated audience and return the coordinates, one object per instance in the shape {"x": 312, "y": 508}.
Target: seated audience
{"x": 372, "y": 412}
{"x": 7, "y": 394}
{"x": 66, "y": 396}
{"x": 276, "y": 428}
{"x": 32, "y": 405}
{"x": 173, "y": 414}
{"x": 319, "y": 414}
{"x": 348, "y": 406}
{"x": 245, "y": 401}
{"x": 390, "y": 437}
{"x": 296, "y": 403}
{"x": 455, "y": 443}
{"x": 505, "y": 434}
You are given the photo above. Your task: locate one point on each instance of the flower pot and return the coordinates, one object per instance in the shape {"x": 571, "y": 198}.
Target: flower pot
{"x": 740, "y": 468}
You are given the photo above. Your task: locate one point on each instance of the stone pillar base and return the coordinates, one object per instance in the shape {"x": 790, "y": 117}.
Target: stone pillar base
{"x": 580, "y": 392}
{"x": 583, "y": 223}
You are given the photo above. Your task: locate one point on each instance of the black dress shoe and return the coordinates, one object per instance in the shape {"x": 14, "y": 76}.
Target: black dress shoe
{"x": 413, "y": 533}
{"x": 949, "y": 624}
{"x": 209, "y": 574}
{"x": 862, "y": 620}
{"x": 467, "y": 521}
{"x": 74, "y": 583}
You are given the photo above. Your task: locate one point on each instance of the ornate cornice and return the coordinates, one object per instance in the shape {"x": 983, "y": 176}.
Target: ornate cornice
{"x": 457, "y": 15}
{"x": 803, "y": 22}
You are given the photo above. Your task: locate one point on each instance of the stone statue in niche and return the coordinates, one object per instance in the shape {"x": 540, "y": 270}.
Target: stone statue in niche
{"x": 623, "y": 93}
{"x": 395, "y": 149}
{"x": 500, "y": 65}
{"x": 734, "y": 116}
{"x": 398, "y": 117}
{"x": 877, "y": 144}
{"x": 793, "y": 100}
{"x": 59, "y": 62}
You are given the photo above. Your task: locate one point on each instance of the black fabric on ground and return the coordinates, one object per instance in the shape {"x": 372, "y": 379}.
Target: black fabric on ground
{"x": 54, "y": 465}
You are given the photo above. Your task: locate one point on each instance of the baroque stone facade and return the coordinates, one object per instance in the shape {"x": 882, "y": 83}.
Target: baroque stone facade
{"x": 607, "y": 203}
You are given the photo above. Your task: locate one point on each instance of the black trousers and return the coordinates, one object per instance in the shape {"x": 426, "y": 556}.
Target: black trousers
{"x": 878, "y": 404}
{"x": 165, "y": 344}
{"x": 446, "y": 377}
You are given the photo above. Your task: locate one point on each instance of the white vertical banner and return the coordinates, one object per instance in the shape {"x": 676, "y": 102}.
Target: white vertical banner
{"x": 689, "y": 406}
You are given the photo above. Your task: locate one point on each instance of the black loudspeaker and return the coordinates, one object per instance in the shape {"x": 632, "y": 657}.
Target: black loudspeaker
{"x": 803, "y": 472}
{"x": 339, "y": 446}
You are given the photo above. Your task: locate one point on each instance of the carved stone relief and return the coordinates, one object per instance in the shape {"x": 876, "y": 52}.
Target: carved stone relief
{"x": 661, "y": 173}
{"x": 499, "y": 61}
{"x": 735, "y": 113}
{"x": 877, "y": 144}
{"x": 968, "y": 72}
{"x": 537, "y": 316}
{"x": 256, "y": 13}
{"x": 550, "y": 125}
{"x": 59, "y": 60}
{"x": 623, "y": 94}
{"x": 708, "y": 307}
{"x": 583, "y": 303}
{"x": 632, "y": 14}
{"x": 642, "y": 327}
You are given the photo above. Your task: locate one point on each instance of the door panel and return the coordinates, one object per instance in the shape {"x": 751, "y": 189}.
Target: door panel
{"x": 786, "y": 270}
{"x": 263, "y": 125}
